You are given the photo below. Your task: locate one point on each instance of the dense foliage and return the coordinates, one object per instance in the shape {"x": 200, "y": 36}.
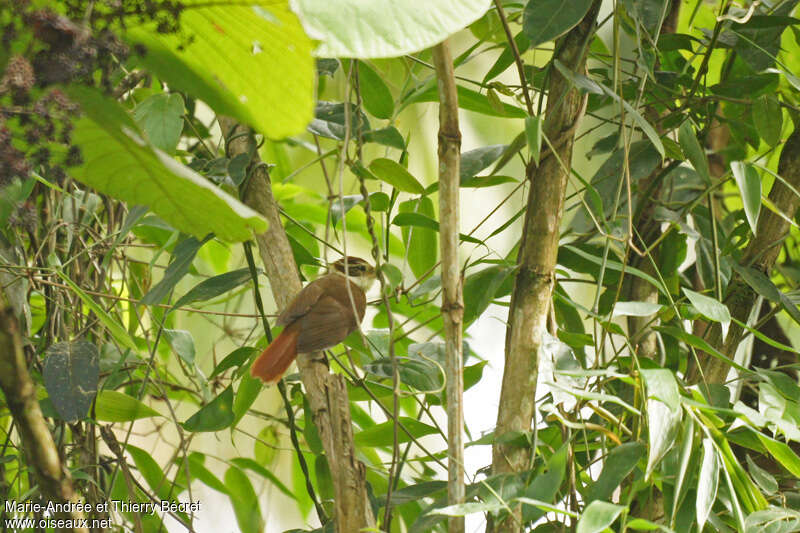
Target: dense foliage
{"x": 668, "y": 396}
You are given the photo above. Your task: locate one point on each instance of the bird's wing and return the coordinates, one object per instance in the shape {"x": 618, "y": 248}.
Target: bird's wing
{"x": 300, "y": 306}
{"x": 325, "y": 325}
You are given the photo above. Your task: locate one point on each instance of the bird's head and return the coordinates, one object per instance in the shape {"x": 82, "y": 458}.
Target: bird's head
{"x": 356, "y": 269}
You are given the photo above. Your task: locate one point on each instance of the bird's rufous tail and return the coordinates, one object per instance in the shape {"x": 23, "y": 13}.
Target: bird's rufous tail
{"x": 276, "y": 359}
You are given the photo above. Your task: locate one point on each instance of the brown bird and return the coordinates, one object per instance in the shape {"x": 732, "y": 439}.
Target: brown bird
{"x": 320, "y": 316}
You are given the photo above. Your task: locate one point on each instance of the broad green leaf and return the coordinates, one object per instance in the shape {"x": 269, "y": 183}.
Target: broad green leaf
{"x": 119, "y": 333}
{"x": 244, "y": 500}
{"x": 246, "y": 394}
{"x": 392, "y": 274}
{"x": 265, "y": 447}
{"x": 375, "y": 94}
{"x": 113, "y": 406}
{"x": 71, "y": 372}
{"x": 330, "y": 120}
{"x": 216, "y": 415}
{"x": 691, "y": 147}
{"x": 213, "y": 287}
{"x": 388, "y": 136}
{"x": 749, "y": 183}
{"x": 707, "y": 483}
{"x": 383, "y": 28}
{"x": 395, "y": 175}
{"x": 413, "y": 493}
{"x": 768, "y": 118}
{"x": 182, "y": 343}
{"x": 383, "y": 434}
{"x": 764, "y": 479}
{"x": 545, "y": 20}
{"x": 474, "y": 161}
{"x": 118, "y": 163}
{"x": 533, "y": 133}
{"x": 544, "y": 487}
{"x": 708, "y": 307}
{"x": 419, "y": 374}
{"x": 598, "y": 516}
{"x": 422, "y": 243}
{"x": 161, "y": 118}
{"x": 465, "y": 509}
{"x": 616, "y": 467}
{"x": 480, "y": 289}
{"x": 250, "y": 61}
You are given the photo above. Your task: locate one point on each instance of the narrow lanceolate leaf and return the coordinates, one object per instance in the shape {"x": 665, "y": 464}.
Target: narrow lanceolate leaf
{"x": 691, "y": 147}
{"x": 533, "y": 132}
{"x": 244, "y": 500}
{"x": 118, "y": 163}
{"x": 663, "y": 413}
{"x": 749, "y": 183}
{"x": 707, "y": 483}
{"x": 71, "y": 372}
{"x": 248, "y": 60}
{"x": 119, "y": 333}
{"x": 213, "y": 287}
{"x": 383, "y": 28}
{"x": 113, "y": 406}
{"x": 545, "y": 20}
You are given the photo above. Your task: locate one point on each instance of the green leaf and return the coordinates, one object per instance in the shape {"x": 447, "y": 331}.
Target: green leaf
{"x": 663, "y": 413}
{"x": 374, "y": 92}
{"x": 419, "y": 374}
{"x": 782, "y": 453}
{"x": 707, "y": 483}
{"x": 708, "y": 307}
{"x": 161, "y": 118}
{"x": 151, "y": 472}
{"x": 546, "y": 20}
{"x": 246, "y": 463}
{"x": 691, "y": 147}
{"x": 235, "y": 358}
{"x": 330, "y": 119}
{"x": 480, "y": 289}
{"x": 113, "y": 406}
{"x": 182, "y": 256}
{"x": 116, "y": 162}
{"x": 476, "y": 160}
{"x": 252, "y": 62}
{"x": 393, "y": 275}
{"x": 216, "y": 415}
{"x": 469, "y": 100}
{"x": 384, "y": 28}
{"x": 246, "y": 394}
{"x": 119, "y": 333}
{"x": 395, "y": 175}
{"x": 616, "y": 467}
{"x": 388, "y": 136}
{"x": 198, "y": 471}
{"x": 598, "y": 516}
{"x": 749, "y": 183}
{"x": 533, "y": 133}
{"x": 182, "y": 343}
{"x": 421, "y": 239}
{"x": 636, "y": 309}
{"x": 768, "y": 118}
{"x": 213, "y": 287}
{"x": 383, "y": 434}
{"x": 71, "y": 373}
{"x": 244, "y": 501}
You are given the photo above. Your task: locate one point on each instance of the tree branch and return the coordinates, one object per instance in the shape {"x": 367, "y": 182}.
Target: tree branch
{"x": 20, "y": 393}
{"x": 326, "y": 392}
{"x": 530, "y": 300}
{"x": 452, "y": 299}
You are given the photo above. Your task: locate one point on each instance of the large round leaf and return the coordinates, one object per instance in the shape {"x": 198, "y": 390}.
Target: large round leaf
{"x": 383, "y": 28}
{"x": 118, "y": 162}
{"x": 70, "y": 373}
{"x": 251, "y": 61}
